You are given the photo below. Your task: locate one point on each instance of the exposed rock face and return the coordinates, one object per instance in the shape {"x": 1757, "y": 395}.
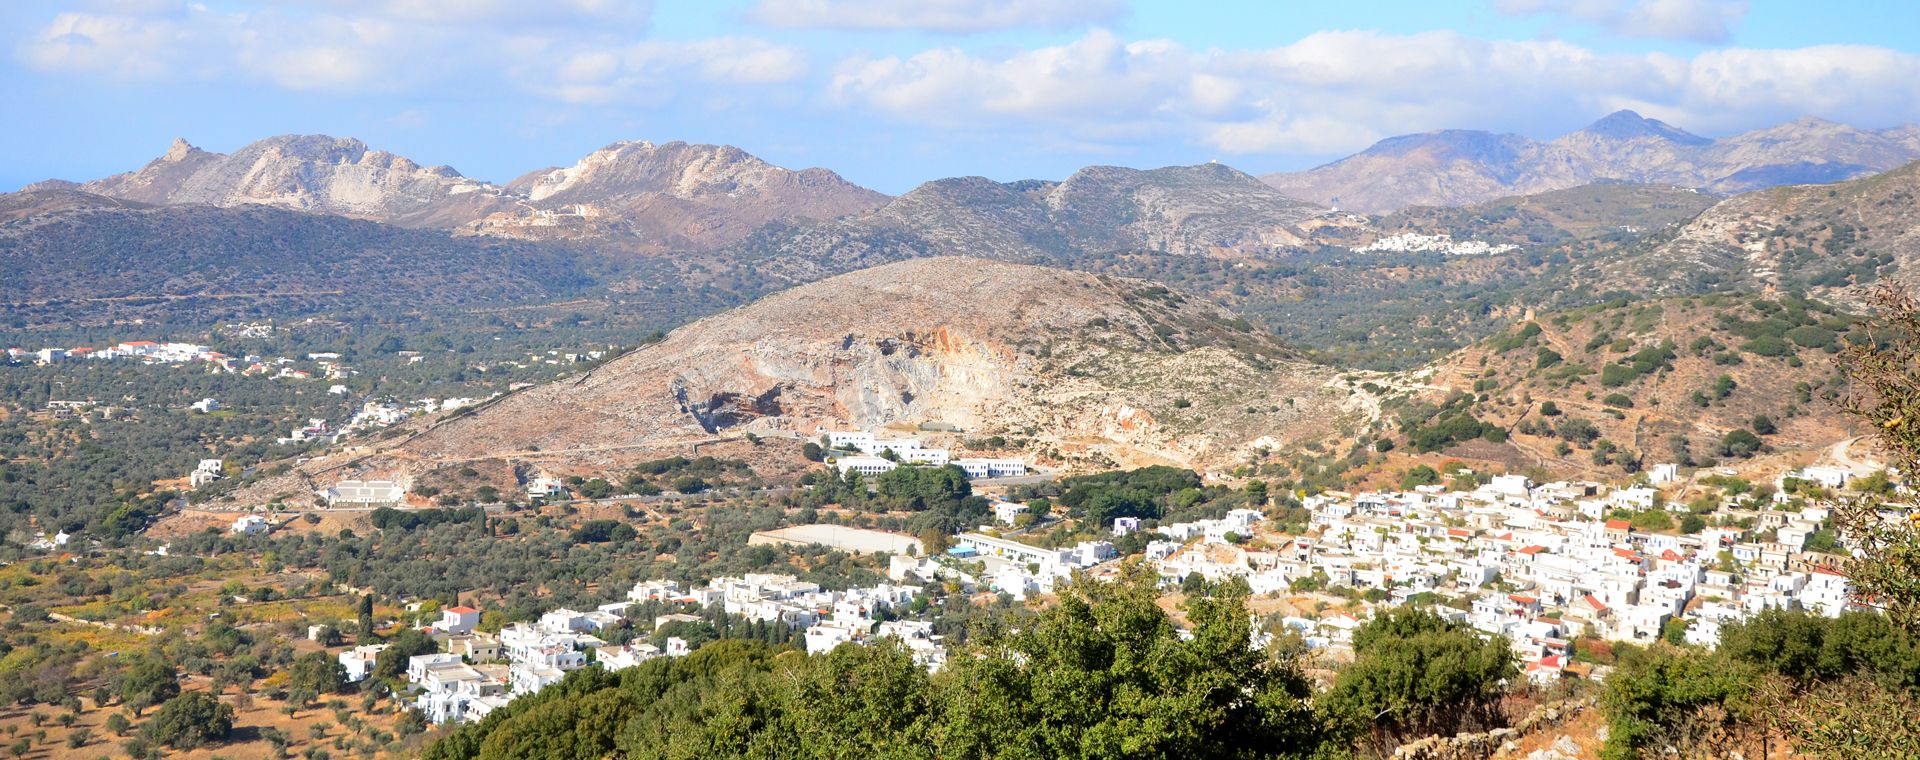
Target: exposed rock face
{"x": 673, "y": 196}
{"x": 313, "y": 173}
{"x": 677, "y": 195}
{"x": 1082, "y": 366}
{"x": 1457, "y": 167}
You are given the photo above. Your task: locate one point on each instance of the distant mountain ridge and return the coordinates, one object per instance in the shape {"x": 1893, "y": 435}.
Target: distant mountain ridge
{"x": 669, "y": 196}
{"x": 1461, "y": 167}
{"x": 1177, "y": 210}
{"x": 679, "y": 195}
{"x": 73, "y": 258}
{"x": 312, "y": 173}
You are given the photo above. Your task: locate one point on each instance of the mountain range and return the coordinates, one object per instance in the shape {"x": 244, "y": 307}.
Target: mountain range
{"x": 678, "y": 196}
{"x": 739, "y": 227}
{"x": 671, "y": 196}
{"x": 1457, "y": 167}
{"x": 1098, "y": 211}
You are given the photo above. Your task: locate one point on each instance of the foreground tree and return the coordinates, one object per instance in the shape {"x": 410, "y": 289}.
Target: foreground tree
{"x": 189, "y": 720}
{"x": 392, "y": 661}
{"x": 1885, "y": 392}
{"x": 1105, "y": 674}
{"x": 316, "y": 673}
{"x": 1102, "y": 675}
{"x": 1415, "y": 674}
{"x": 145, "y": 683}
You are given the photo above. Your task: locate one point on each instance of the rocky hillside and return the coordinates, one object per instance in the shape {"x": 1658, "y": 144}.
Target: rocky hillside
{"x": 72, "y": 258}
{"x": 1459, "y": 167}
{"x": 1181, "y": 210}
{"x": 676, "y": 195}
{"x": 1073, "y": 369}
{"x": 1609, "y": 388}
{"x": 312, "y": 173}
{"x": 1823, "y": 237}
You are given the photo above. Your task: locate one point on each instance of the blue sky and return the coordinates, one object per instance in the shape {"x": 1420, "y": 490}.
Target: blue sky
{"x": 890, "y": 93}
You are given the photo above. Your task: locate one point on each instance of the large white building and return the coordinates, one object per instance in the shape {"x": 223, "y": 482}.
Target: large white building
{"x": 982, "y": 469}
{"x": 868, "y": 466}
{"x": 364, "y": 493}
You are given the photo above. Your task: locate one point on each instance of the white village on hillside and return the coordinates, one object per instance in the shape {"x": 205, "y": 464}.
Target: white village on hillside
{"x": 1542, "y": 564}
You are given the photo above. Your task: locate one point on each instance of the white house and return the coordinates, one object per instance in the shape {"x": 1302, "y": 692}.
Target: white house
{"x": 1511, "y": 485}
{"x": 458, "y": 620}
{"x": 1830, "y": 477}
{"x": 1634, "y": 498}
{"x": 250, "y": 525}
{"x": 544, "y": 487}
{"x": 418, "y": 665}
{"x": 209, "y": 470}
{"x": 358, "y": 661}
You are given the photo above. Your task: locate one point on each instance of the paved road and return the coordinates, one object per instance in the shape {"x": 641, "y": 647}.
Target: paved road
{"x": 1841, "y": 455}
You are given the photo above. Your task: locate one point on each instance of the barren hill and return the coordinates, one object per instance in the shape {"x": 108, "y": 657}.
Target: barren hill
{"x": 1587, "y": 211}
{"x": 1459, "y": 167}
{"x": 1807, "y": 236}
{"x": 1074, "y": 369}
{"x": 1648, "y": 375}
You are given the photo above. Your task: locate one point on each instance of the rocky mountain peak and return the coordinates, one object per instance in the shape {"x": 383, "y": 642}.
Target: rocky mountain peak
{"x": 179, "y": 150}
{"x": 1628, "y": 125}
{"x": 313, "y": 173}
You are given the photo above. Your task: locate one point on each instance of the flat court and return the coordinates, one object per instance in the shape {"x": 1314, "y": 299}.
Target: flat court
{"x": 855, "y": 540}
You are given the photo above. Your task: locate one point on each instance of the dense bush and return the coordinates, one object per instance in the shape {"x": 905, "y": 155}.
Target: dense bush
{"x": 1102, "y": 674}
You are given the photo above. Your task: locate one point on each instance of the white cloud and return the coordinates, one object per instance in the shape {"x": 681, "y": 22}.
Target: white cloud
{"x": 118, "y": 46}
{"x": 353, "y": 46}
{"x": 1339, "y": 91}
{"x": 951, "y": 16}
{"x": 293, "y": 52}
{"x": 1696, "y": 20}
{"x": 497, "y": 13}
{"x": 654, "y": 71}
{"x": 1095, "y": 77}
